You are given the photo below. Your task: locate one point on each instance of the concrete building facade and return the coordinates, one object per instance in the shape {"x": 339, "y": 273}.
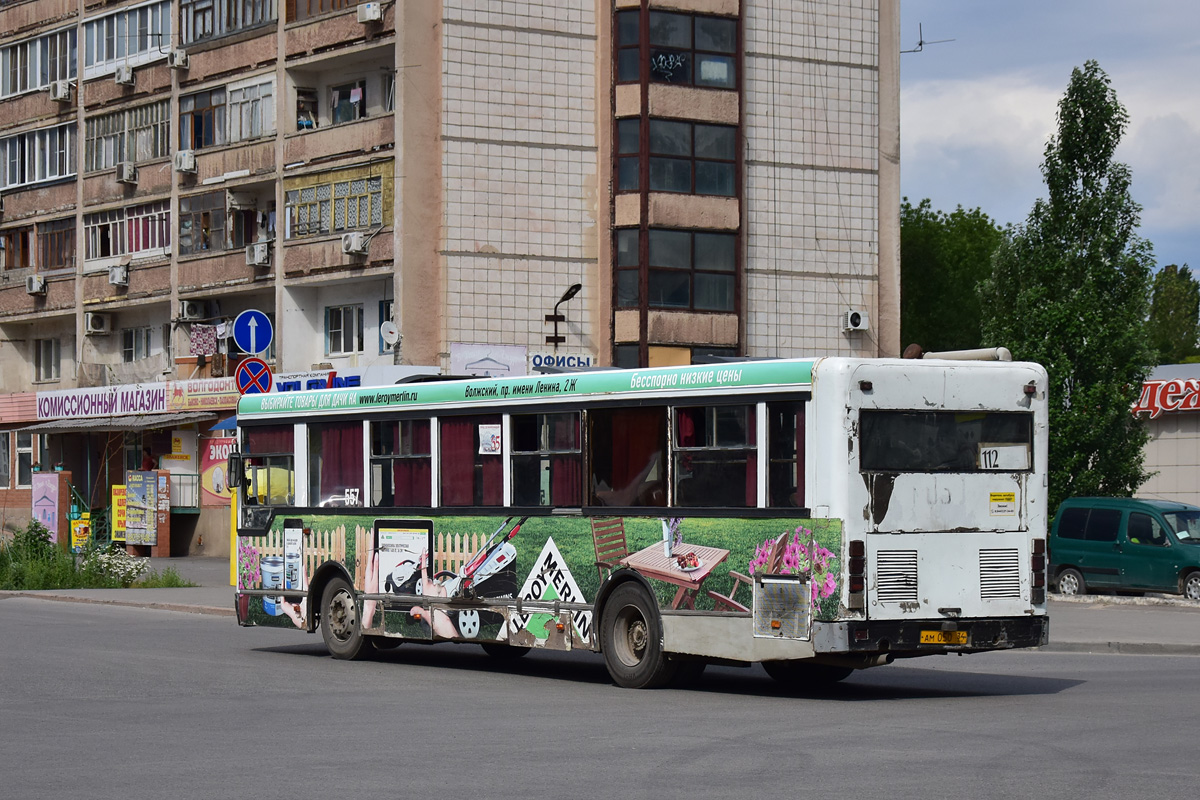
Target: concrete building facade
{"x": 718, "y": 177}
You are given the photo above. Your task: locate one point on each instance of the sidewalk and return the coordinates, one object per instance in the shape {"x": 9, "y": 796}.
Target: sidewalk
{"x": 1156, "y": 625}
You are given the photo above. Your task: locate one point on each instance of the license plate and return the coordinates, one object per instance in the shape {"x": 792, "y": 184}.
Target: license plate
{"x": 943, "y": 637}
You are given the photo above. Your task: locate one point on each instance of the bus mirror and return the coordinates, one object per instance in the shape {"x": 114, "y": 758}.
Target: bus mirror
{"x": 233, "y": 470}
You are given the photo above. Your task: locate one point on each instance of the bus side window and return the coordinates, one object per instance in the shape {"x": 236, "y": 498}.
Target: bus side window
{"x": 716, "y": 461}
{"x": 547, "y": 465}
{"x": 627, "y": 450}
{"x": 470, "y": 461}
{"x": 785, "y": 454}
{"x": 401, "y": 463}
{"x": 335, "y": 464}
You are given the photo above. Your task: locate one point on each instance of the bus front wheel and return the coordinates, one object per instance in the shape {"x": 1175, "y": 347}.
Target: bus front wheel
{"x": 631, "y": 638}
{"x": 339, "y": 621}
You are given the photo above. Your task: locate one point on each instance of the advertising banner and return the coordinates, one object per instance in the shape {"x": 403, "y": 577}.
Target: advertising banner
{"x": 45, "y": 501}
{"x": 117, "y": 523}
{"x": 214, "y": 455}
{"x": 141, "y": 507}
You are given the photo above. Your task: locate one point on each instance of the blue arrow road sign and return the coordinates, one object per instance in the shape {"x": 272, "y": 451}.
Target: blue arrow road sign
{"x": 252, "y": 331}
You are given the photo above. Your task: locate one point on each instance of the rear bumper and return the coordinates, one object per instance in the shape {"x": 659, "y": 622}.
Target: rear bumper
{"x": 903, "y": 637}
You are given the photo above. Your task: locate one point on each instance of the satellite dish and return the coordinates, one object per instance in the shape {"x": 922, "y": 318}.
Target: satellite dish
{"x": 389, "y": 332}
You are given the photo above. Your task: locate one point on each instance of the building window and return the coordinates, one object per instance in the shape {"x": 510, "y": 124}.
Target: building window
{"x": 689, "y": 270}
{"x": 26, "y": 443}
{"x": 251, "y": 109}
{"x": 684, "y": 49}
{"x": 687, "y": 157}
{"x": 348, "y": 102}
{"x": 47, "y": 354}
{"x": 343, "y": 330}
{"x": 35, "y": 156}
{"x": 56, "y": 243}
{"x": 336, "y": 205}
{"x": 14, "y": 248}
{"x": 202, "y": 119}
{"x": 136, "y": 134}
{"x": 134, "y": 36}
{"x": 5, "y": 459}
{"x": 34, "y": 63}
{"x": 307, "y": 113}
{"x": 138, "y": 231}
{"x": 304, "y": 9}
{"x": 202, "y": 223}
{"x": 208, "y": 19}
{"x": 135, "y": 344}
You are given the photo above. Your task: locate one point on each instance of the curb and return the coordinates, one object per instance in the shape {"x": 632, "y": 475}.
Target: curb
{"x": 1124, "y": 648}
{"x": 188, "y": 609}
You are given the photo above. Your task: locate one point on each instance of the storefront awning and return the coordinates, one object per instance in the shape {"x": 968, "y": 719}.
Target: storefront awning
{"x": 122, "y": 422}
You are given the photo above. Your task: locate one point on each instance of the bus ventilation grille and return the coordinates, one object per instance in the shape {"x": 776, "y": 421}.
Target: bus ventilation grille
{"x": 896, "y": 576}
{"x": 999, "y": 573}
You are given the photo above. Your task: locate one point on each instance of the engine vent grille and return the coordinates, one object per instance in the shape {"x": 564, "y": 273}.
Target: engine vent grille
{"x": 896, "y": 576}
{"x": 999, "y": 573}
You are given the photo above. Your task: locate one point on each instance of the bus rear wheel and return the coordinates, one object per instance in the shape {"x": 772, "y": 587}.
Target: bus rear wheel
{"x": 631, "y": 638}
{"x": 799, "y": 674}
{"x": 340, "y": 626}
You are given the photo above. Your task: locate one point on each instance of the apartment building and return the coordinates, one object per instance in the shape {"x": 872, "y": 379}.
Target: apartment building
{"x": 510, "y": 183}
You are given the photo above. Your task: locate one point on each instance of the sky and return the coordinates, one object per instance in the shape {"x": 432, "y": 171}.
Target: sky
{"x": 976, "y": 112}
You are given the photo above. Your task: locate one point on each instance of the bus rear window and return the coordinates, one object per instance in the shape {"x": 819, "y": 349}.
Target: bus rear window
{"x": 945, "y": 441}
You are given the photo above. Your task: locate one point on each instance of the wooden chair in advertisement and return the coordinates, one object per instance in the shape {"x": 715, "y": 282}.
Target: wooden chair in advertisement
{"x": 608, "y": 534}
{"x": 722, "y": 602}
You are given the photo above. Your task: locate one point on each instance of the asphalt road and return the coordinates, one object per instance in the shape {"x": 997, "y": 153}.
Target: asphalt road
{"x": 105, "y": 701}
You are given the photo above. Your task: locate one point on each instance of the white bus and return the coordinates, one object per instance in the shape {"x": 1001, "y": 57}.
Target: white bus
{"x": 815, "y": 515}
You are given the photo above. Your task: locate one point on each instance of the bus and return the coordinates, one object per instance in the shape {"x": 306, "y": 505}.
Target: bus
{"x": 817, "y": 516}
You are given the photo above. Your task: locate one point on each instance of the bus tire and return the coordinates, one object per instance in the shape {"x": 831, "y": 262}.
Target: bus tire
{"x": 631, "y": 639}
{"x": 799, "y": 674}
{"x": 340, "y": 626}
{"x": 504, "y": 652}
{"x": 1070, "y": 582}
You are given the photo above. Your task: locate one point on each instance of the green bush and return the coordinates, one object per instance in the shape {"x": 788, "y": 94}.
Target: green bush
{"x": 31, "y": 561}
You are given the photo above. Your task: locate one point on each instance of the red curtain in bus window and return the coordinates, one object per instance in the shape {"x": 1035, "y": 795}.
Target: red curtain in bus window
{"x": 458, "y": 462}
{"x": 566, "y": 469}
{"x": 411, "y": 476}
{"x": 637, "y": 441}
{"x": 271, "y": 439}
{"x": 341, "y": 457}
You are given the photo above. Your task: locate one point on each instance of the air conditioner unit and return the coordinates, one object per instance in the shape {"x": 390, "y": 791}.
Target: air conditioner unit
{"x": 854, "y": 320}
{"x": 191, "y": 309}
{"x": 354, "y": 243}
{"x": 370, "y": 12}
{"x": 258, "y": 254}
{"x": 127, "y": 172}
{"x": 178, "y": 59}
{"x": 118, "y": 276}
{"x": 35, "y": 284}
{"x": 60, "y": 91}
{"x": 124, "y": 75}
{"x": 185, "y": 161}
{"x": 96, "y": 324}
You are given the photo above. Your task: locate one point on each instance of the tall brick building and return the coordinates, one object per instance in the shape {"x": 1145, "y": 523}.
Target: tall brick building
{"x": 718, "y": 177}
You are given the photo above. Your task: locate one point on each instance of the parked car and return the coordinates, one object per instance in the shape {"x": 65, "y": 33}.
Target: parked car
{"x": 1126, "y": 544}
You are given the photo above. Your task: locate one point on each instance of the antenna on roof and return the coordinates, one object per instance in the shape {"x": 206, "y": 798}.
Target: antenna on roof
{"x": 921, "y": 41}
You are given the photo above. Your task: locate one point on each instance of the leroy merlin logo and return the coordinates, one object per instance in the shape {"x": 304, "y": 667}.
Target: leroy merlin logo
{"x": 550, "y": 580}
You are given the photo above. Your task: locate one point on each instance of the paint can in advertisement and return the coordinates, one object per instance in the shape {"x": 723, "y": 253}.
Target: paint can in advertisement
{"x": 272, "y": 574}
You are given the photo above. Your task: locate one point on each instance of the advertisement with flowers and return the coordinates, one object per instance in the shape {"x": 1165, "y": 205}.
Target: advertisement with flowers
{"x": 483, "y": 568}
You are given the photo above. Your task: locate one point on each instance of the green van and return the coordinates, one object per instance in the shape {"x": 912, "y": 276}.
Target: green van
{"x": 1126, "y": 544}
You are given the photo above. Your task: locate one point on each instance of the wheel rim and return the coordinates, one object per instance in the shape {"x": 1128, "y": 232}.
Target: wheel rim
{"x": 1191, "y": 589}
{"x": 1067, "y": 584}
{"x": 343, "y": 617}
{"x": 632, "y": 636}
{"x": 468, "y": 624}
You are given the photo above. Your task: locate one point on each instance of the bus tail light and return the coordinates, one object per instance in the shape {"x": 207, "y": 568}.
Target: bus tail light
{"x": 857, "y": 573}
{"x": 1037, "y": 571}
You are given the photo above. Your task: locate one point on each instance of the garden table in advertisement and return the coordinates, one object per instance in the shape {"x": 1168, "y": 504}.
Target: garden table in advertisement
{"x": 652, "y": 563}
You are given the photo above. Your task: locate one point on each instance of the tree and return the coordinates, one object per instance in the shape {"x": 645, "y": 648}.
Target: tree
{"x": 943, "y": 257}
{"x": 1070, "y": 289}
{"x": 1175, "y": 314}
